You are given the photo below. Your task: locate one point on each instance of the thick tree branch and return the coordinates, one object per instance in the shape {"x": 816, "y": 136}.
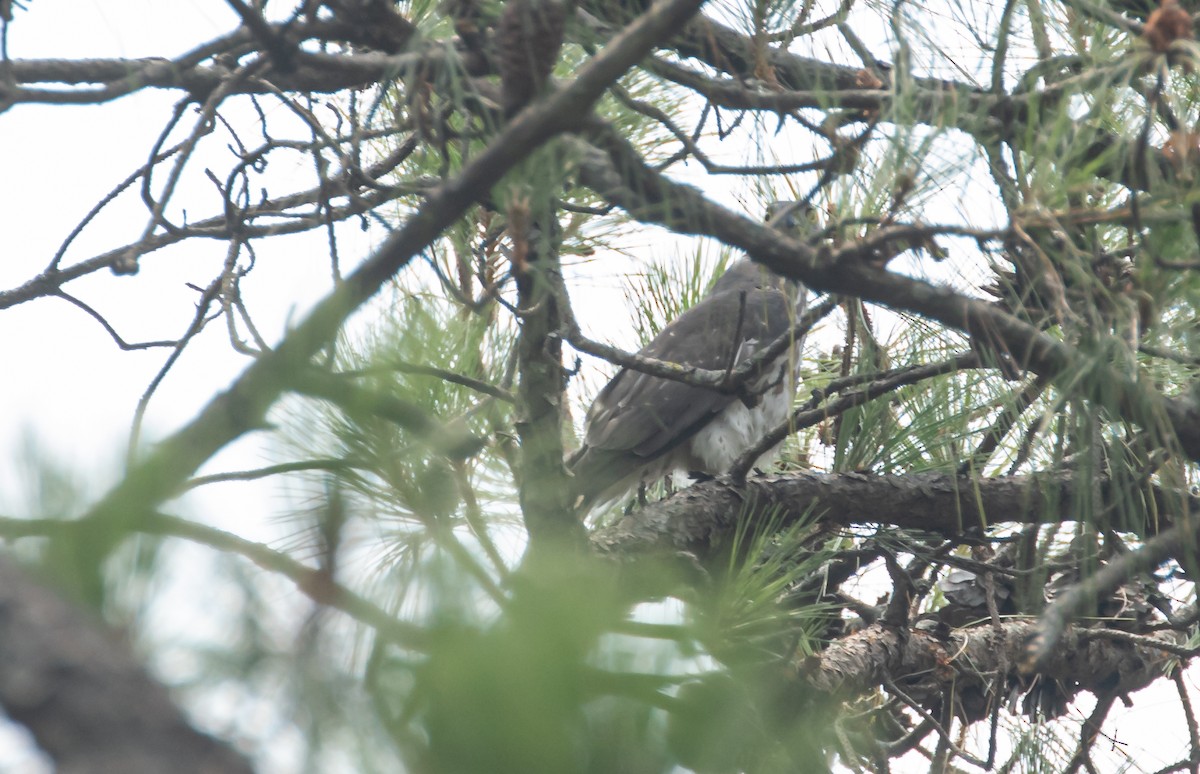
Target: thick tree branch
{"x": 84, "y": 698}
{"x": 544, "y": 489}
{"x": 698, "y": 519}
{"x": 312, "y": 72}
{"x": 966, "y": 660}
{"x": 543, "y": 485}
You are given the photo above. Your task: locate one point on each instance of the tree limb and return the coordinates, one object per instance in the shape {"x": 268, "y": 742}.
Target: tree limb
{"x": 698, "y": 518}
{"x": 86, "y": 700}
{"x": 967, "y": 659}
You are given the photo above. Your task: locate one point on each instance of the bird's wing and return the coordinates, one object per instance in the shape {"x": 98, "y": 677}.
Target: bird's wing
{"x": 646, "y": 416}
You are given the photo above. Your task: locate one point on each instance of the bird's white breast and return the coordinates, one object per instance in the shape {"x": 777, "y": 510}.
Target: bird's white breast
{"x": 738, "y": 427}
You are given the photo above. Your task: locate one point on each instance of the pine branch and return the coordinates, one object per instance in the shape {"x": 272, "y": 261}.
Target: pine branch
{"x": 697, "y": 520}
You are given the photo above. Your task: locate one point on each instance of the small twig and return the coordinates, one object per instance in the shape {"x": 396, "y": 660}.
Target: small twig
{"x": 859, "y": 48}
{"x": 801, "y": 27}
{"x": 127, "y": 264}
{"x": 737, "y": 334}
{"x": 1189, "y": 714}
{"x": 141, "y": 171}
{"x": 693, "y": 149}
{"x": 309, "y": 580}
{"x": 1004, "y": 423}
{"x": 456, "y": 442}
{"x": 108, "y": 327}
{"x": 477, "y": 521}
{"x": 1167, "y": 354}
{"x": 810, "y": 414}
{"x": 271, "y": 470}
{"x": 716, "y": 380}
{"x": 943, "y": 734}
{"x": 453, "y": 377}
{"x": 201, "y": 318}
{"x": 1089, "y": 732}
{"x": 1117, "y": 635}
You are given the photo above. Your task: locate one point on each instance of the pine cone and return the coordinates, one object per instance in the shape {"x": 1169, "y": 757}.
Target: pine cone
{"x": 1168, "y": 23}
{"x": 529, "y": 35}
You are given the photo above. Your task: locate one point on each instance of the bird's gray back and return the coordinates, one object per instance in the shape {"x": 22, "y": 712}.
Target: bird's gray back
{"x": 639, "y": 426}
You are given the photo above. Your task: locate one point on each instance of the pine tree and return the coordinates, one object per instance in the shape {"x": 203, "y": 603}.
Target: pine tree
{"x": 976, "y": 543}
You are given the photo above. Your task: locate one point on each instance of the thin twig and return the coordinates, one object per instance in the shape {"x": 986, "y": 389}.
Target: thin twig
{"x": 112, "y": 332}
{"x": 271, "y": 470}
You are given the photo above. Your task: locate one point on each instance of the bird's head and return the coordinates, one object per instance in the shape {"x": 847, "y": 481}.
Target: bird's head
{"x": 799, "y": 219}
{"x": 796, "y": 218}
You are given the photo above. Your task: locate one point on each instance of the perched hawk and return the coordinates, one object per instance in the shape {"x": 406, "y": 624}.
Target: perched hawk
{"x": 641, "y": 428}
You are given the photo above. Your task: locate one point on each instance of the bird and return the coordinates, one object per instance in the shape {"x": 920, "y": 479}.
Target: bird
{"x": 641, "y": 428}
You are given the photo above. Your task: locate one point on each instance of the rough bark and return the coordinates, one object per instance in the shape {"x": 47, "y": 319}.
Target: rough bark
{"x": 85, "y": 698}
{"x": 698, "y": 518}
{"x": 965, "y": 660}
